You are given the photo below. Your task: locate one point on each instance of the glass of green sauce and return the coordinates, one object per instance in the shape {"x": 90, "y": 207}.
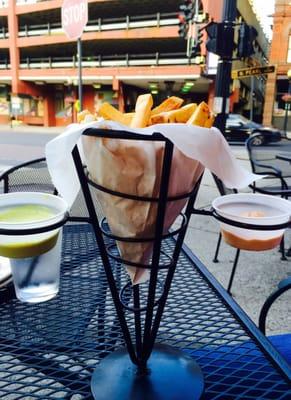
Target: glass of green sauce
{"x": 34, "y": 258}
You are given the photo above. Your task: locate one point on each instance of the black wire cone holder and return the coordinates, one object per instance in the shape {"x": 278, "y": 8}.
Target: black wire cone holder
{"x": 33, "y": 231}
{"x": 143, "y": 370}
{"x": 249, "y": 226}
{"x": 239, "y": 224}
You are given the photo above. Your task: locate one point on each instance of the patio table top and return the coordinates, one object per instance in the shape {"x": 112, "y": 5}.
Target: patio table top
{"x": 49, "y": 350}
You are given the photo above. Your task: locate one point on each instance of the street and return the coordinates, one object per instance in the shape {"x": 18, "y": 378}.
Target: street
{"x": 19, "y": 145}
{"x": 283, "y": 145}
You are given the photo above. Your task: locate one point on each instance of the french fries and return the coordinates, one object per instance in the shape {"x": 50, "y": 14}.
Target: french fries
{"x": 209, "y": 122}
{"x": 107, "y": 111}
{"x": 83, "y": 116}
{"x": 200, "y": 115}
{"x": 169, "y": 111}
{"x": 128, "y": 118}
{"x": 171, "y": 103}
{"x": 180, "y": 115}
{"x": 142, "y": 114}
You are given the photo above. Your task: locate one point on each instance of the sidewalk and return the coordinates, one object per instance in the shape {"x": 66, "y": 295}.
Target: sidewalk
{"x": 31, "y": 129}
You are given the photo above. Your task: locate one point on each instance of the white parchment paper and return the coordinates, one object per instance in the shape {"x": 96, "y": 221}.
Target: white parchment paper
{"x": 207, "y": 146}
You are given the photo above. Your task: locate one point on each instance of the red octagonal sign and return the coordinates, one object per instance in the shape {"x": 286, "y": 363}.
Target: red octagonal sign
{"x": 74, "y": 17}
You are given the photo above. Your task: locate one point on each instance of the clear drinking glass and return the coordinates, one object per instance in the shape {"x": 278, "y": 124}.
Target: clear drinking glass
{"x": 35, "y": 257}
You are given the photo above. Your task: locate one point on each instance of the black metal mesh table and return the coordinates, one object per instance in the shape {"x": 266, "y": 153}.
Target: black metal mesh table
{"x": 49, "y": 350}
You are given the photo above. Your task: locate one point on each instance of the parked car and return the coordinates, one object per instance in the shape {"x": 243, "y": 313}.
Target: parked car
{"x": 239, "y": 128}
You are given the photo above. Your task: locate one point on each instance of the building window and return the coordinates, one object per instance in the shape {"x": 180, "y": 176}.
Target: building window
{"x": 279, "y": 104}
{"x": 289, "y": 50}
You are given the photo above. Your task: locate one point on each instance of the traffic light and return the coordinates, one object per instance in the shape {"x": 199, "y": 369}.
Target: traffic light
{"x": 183, "y": 27}
{"x": 247, "y": 35}
{"x": 214, "y": 31}
{"x": 196, "y": 44}
{"x": 218, "y": 39}
{"x": 185, "y": 16}
{"x": 186, "y": 9}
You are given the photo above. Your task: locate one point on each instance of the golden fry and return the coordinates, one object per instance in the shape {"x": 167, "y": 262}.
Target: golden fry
{"x": 171, "y": 103}
{"x": 82, "y": 115}
{"x": 142, "y": 114}
{"x": 184, "y": 113}
{"x": 161, "y": 118}
{"x": 200, "y": 115}
{"x": 107, "y": 111}
{"x": 127, "y": 117}
{"x": 180, "y": 115}
{"x": 209, "y": 122}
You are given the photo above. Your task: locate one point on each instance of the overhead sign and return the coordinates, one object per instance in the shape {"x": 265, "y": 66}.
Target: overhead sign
{"x": 244, "y": 73}
{"x": 74, "y": 17}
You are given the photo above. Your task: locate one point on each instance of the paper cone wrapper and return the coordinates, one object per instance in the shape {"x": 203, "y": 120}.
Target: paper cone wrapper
{"x": 134, "y": 167}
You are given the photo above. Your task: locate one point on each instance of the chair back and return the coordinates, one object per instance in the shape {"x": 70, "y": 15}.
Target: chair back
{"x": 33, "y": 176}
{"x": 30, "y": 176}
{"x": 223, "y": 190}
{"x": 263, "y": 159}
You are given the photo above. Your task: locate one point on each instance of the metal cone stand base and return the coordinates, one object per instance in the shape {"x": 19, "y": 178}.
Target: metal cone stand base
{"x": 170, "y": 375}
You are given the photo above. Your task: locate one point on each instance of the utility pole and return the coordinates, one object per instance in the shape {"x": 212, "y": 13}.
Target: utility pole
{"x": 223, "y": 76}
{"x": 80, "y": 90}
{"x": 252, "y": 98}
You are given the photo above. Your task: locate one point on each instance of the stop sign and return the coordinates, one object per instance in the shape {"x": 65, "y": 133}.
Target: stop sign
{"x": 74, "y": 17}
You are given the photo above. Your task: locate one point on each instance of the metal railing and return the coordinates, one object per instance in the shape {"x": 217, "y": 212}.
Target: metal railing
{"x": 23, "y": 2}
{"x": 103, "y": 24}
{"x": 4, "y": 64}
{"x": 126, "y": 60}
{"x": 4, "y": 32}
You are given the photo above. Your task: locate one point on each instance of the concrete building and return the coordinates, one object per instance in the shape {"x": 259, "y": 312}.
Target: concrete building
{"x": 128, "y": 47}
{"x": 276, "y": 109}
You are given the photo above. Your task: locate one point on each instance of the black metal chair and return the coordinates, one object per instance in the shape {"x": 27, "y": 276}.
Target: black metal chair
{"x": 33, "y": 175}
{"x": 29, "y": 176}
{"x": 264, "y": 162}
{"x": 282, "y": 342}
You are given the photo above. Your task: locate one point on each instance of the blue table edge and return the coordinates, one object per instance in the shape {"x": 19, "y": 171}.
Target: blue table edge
{"x": 261, "y": 340}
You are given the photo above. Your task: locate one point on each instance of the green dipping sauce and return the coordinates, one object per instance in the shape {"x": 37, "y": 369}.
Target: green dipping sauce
{"x": 26, "y": 213}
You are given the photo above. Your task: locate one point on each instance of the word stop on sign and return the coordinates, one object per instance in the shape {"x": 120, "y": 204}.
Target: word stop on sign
{"x": 74, "y": 17}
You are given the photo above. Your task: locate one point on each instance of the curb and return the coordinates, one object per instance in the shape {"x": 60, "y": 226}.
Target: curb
{"x": 31, "y": 129}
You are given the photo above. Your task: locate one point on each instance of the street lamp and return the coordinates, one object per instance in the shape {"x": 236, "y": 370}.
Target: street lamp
{"x": 287, "y": 99}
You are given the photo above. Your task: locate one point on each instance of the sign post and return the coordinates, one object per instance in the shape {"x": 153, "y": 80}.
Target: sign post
{"x": 252, "y": 98}
{"x": 80, "y": 94}
{"x": 74, "y": 20}
{"x": 223, "y": 75}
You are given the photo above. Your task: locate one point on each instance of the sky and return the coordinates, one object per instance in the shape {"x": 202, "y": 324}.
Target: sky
{"x": 265, "y": 8}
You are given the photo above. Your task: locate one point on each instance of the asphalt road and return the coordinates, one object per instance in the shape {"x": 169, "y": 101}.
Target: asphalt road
{"x": 20, "y": 146}
{"x": 16, "y": 147}
{"x": 283, "y": 145}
